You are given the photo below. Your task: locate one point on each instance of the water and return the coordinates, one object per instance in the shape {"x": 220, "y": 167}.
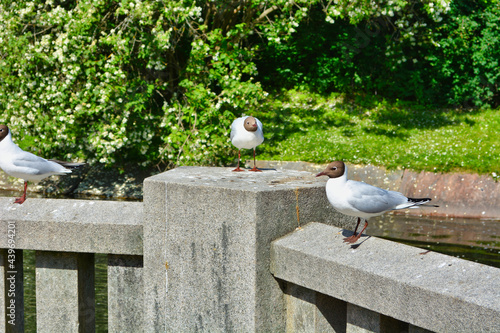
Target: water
{"x": 471, "y": 239}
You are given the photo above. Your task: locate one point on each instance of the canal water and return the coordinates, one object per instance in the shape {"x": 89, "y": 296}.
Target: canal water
{"x": 470, "y": 239}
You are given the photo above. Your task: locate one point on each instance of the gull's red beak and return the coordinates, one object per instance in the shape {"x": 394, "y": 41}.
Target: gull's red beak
{"x": 322, "y": 173}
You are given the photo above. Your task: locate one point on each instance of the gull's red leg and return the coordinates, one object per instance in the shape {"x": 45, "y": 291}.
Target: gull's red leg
{"x": 23, "y": 198}
{"x": 254, "y": 167}
{"x": 239, "y": 157}
{"x": 354, "y": 238}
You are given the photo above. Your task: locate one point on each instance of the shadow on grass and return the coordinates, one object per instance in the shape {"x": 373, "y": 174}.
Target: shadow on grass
{"x": 284, "y": 117}
{"x": 390, "y": 133}
{"x": 294, "y": 112}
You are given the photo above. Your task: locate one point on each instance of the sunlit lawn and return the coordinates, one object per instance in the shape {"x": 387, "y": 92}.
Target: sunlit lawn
{"x": 368, "y": 130}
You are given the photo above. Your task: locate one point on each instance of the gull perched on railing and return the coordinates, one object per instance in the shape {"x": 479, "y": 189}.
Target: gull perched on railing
{"x": 362, "y": 200}
{"x": 247, "y": 133}
{"x": 27, "y": 166}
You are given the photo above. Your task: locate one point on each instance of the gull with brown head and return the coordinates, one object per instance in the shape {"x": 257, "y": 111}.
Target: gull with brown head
{"x": 362, "y": 200}
{"x": 246, "y": 133}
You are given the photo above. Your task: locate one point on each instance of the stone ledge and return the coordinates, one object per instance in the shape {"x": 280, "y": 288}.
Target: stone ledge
{"x": 74, "y": 225}
{"x": 433, "y": 291}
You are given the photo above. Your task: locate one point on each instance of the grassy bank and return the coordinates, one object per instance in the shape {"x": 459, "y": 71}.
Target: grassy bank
{"x": 369, "y": 130}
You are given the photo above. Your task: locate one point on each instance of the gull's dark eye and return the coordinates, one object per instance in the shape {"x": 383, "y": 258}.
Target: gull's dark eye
{"x": 334, "y": 168}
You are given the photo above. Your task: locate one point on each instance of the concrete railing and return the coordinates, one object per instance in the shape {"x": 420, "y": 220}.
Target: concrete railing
{"x": 196, "y": 256}
{"x": 66, "y": 234}
{"x": 381, "y": 286}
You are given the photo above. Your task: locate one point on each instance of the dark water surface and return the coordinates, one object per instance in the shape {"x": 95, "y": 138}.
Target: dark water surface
{"x": 471, "y": 239}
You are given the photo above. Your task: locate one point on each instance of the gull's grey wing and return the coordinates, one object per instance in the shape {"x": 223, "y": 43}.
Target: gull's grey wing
{"x": 370, "y": 199}
{"x": 36, "y": 165}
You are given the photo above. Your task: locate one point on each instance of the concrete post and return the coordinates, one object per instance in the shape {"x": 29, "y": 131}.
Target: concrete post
{"x": 125, "y": 294}
{"x": 310, "y": 311}
{"x": 65, "y": 299}
{"x": 207, "y": 236}
{"x": 361, "y": 320}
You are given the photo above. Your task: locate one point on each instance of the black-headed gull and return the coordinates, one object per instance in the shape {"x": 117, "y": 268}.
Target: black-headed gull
{"x": 246, "y": 132}
{"x": 362, "y": 200}
{"x": 27, "y": 166}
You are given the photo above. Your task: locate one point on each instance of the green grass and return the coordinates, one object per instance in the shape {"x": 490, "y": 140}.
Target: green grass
{"x": 369, "y": 130}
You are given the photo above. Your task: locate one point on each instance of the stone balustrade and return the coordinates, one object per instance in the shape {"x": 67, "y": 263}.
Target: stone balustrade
{"x": 217, "y": 251}
{"x": 65, "y": 235}
{"x": 381, "y": 286}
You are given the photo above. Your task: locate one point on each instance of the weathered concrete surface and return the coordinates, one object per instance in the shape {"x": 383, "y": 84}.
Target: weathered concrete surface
{"x": 125, "y": 294}
{"x": 74, "y": 225}
{"x": 309, "y": 311}
{"x": 367, "y": 173}
{"x": 65, "y": 296}
{"x": 207, "y": 236}
{"x": 457, "y": 194}
{"x": 433, "y": 291}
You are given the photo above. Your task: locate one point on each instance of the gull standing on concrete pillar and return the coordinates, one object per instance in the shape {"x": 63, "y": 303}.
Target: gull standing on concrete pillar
{"x": 27, "y": 166}
{"x": 361, "y": 200}
{"x": 246, "y": 132}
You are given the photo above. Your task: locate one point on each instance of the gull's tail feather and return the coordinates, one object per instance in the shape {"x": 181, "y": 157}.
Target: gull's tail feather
{"x": 69, "y": 165}
{"x": 420, "y": 202}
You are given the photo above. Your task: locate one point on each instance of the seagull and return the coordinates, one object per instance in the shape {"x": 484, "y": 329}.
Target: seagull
{"x": 362, "y": 200}
{"x": 21, "y": 164}
{"x": 246, "y": 132}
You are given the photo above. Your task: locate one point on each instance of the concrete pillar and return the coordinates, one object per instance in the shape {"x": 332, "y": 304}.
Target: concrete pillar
{"x": 207, "y": 236}
{"x": 361, "y": 320}
{"x": 310, "y": 311}
{"x": 125, "y": 294}
{"x": 65, "y": 297}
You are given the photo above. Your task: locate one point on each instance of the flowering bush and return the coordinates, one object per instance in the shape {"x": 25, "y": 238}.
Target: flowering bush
{"x": 144, "y": 81}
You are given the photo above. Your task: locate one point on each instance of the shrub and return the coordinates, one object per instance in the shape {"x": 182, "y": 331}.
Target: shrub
{"x": 424, "y": 53}
{"x": 159, "y": 82}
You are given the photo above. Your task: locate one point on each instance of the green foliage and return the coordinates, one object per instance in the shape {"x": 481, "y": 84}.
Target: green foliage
{"x": 431, "y": 54}
{"x": 117, "y": 81}
{"x": 82, "y": 87}
{"x": 153, "y": 82}
{"x": 469, "y": 54}
{"x": 371, "y": 130}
